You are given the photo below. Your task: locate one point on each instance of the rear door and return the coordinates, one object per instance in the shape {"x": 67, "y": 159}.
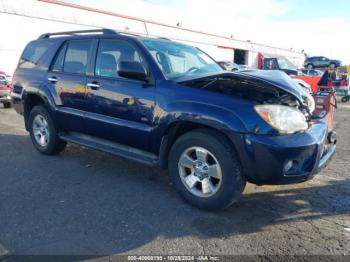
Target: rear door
{"x": 68, "y": 76}
{"x": 318, "y": 61}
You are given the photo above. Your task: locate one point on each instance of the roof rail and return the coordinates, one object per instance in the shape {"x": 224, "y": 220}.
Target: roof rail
{"x": 103, "y": 31}
{"x": 164, "y": 38}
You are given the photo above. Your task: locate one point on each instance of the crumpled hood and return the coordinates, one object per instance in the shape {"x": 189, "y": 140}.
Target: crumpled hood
{"x": 278, "y": 79}
{"x": 275, "y": 78}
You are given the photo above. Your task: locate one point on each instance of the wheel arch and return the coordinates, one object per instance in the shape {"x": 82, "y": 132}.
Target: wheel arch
{"x": 179, "y": 128}
{"x": 30, "y": 100}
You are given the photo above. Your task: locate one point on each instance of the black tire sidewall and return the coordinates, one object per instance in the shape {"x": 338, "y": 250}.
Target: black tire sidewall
{"x": 232, "y": 183}
{"x": 7, "y": 104}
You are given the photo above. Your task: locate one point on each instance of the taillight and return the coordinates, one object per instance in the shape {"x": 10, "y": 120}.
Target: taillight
{"x": 343, "y": 84}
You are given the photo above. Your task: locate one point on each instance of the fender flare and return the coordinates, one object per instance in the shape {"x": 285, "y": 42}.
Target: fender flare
{"x": 44, "y": 94}
{"x": 215, "y": 118}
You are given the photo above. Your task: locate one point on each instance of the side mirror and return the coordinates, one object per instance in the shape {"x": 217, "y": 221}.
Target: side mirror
{"x": 132, "y": 70}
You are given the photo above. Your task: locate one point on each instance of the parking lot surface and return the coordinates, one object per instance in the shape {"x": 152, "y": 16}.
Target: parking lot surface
{"x": 86, "y": 202}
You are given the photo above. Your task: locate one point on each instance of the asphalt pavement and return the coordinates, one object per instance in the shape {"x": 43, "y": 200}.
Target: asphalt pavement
{"x": 84, "y": 202}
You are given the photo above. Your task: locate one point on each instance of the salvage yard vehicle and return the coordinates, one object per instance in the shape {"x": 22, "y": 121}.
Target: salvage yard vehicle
{"x": 321, "y": 62}
{"x": 169, "y": 105}
{"x": 5, "y": 91}
{"x": 283, "y": 64}
{"x": 312, "y": 72}
{"x": 310, "y": 80}
{"x": 280, "y": 63}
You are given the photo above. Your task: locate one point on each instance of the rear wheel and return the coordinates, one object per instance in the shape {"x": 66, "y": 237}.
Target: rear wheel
{"x": 205, "y": 170}
{"x": 43, "y": 132}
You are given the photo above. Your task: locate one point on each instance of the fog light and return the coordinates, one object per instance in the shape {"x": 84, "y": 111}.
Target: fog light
{"x": 288, "y": 166}
{"x": 291, "y": 167}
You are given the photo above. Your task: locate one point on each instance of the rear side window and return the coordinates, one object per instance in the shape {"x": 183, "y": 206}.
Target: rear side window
{"x": 73, "y": 57}
{"x": 77, "y": 56}
{"x": 58, "y": 65}
{"x": 33, "y": 53}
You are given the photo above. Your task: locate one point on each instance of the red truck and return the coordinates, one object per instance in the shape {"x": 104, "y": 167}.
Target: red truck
{"x": 5, "y": 90}
{"x": 283, "y": 64}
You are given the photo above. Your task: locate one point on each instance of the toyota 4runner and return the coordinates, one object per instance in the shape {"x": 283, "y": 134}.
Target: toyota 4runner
{"x": 169, "y": 105}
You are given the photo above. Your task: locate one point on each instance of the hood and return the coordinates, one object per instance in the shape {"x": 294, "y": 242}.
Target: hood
{"x": 275, "y": 78}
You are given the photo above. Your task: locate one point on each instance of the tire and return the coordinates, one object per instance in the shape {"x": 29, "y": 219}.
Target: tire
{"x": 332, "y": 65}
{"x": 345, "y": 99}
{"x": 7, "y": 105}
{"x": 43, "y": 132}
{"x": 310, "y": 66}
{"x": 189, "y": 181}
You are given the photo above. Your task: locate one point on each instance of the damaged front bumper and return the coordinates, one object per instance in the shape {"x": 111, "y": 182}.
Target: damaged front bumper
{"x": 285, "y": 159}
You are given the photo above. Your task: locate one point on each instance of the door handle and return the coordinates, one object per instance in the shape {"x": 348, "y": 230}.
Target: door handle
{"x": 52, "y": 79}
{"x": 93, "y": 85}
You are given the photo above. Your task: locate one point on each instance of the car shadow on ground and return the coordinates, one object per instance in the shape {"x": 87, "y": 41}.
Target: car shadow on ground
{"x": 86, "y": 202}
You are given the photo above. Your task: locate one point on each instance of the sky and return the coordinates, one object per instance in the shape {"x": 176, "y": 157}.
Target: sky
{"x": 320, "y": 27}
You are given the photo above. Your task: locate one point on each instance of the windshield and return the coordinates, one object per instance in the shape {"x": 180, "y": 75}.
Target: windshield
{"x": 3, "y": 80}
{"x": 178, "y": 60}
{"x": 285, "y": 64}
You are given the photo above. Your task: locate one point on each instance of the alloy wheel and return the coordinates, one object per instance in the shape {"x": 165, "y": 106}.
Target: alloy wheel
{"x": 41, "y": 131}
{"x": 200, "y": 171}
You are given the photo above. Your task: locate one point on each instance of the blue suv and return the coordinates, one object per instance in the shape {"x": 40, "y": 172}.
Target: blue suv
{"x": 169, "y": 105}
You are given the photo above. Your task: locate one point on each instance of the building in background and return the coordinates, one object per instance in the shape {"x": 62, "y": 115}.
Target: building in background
{"x": 25, "y": 20}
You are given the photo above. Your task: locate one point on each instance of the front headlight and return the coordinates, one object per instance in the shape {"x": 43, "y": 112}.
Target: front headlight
{"x": 285, "y": 119}
{"x": 310, "y": 101}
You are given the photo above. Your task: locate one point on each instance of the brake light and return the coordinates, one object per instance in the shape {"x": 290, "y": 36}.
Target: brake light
{"x": 343, "y": 84}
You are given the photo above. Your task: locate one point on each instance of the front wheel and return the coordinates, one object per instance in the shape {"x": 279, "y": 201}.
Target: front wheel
{"x": 205, "y": 170}
{"x": 345, "y": 99}
{"x": 310, "y": 66}
{"x": 43, "y": 132}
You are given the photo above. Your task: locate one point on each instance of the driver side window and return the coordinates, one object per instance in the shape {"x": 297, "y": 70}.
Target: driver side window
{"x": 110, "y": 53}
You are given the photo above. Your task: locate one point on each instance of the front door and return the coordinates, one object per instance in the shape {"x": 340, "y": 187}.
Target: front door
{"x": 120, "y": 109}
{"x": 68, "y": 77}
